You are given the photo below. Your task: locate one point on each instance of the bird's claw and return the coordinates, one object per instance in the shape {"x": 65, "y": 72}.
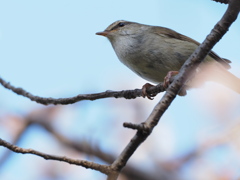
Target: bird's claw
{"x": 145, "y": 93}
{"x": 167, "y": 78}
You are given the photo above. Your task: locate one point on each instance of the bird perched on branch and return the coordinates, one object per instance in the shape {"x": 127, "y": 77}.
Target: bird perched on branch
{"x": 157, "y": 53}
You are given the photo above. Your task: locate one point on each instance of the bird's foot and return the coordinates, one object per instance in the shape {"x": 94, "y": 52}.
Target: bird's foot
{"x": 169, "y": 75}
{"x": 167, "y": 79}
{"x": 144, "y": 91}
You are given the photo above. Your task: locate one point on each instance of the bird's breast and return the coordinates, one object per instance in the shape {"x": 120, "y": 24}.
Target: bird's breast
{"x": 151, "y": 58}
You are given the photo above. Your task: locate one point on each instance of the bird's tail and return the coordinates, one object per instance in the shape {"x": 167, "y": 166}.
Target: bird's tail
{"x": 217, "y": 73}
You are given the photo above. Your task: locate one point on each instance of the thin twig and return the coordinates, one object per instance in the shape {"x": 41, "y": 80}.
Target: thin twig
{"x": 102, "y": 168}
{"x": 127, "y": 94}
{"x": 140, "y": 127}
{"x": 222, "y": 1}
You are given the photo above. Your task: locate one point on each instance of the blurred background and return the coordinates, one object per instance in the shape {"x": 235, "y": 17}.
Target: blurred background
{"x": 50, "y": 49}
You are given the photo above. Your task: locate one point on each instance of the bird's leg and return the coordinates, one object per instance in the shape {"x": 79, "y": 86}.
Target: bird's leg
{"x": 144, "y": 91}
{"x": 169, "y": 75}
{"x": 166, "y": 82}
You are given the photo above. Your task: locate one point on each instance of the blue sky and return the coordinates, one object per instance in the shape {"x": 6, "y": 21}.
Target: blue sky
{"x": 50, "y": 49}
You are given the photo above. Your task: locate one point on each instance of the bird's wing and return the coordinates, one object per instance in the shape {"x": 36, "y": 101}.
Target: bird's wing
{"x": 173, "y": 34}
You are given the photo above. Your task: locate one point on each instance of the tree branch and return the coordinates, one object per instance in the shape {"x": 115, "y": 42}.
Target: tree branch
{"x": 127, "y": 94}
{"x": 222, "y": 1}
{"x": 102, "y": 168}
{"x": 84, "y": 147}
{"x": 192, "y": 62}
{"x": 44, "y": 116}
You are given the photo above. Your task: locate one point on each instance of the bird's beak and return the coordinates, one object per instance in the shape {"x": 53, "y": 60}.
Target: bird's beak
{"x": 103, "y": 33}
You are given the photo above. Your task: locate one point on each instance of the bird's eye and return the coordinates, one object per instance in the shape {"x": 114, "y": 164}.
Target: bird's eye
{"x": 121, "y": 24}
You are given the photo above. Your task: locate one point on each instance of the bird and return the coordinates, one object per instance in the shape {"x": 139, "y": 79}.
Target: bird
{"x": 157, "y": 53}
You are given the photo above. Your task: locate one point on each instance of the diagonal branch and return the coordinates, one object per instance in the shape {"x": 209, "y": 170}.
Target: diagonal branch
{"x": 127, "y": 94}
{"x": 193, "y": 61}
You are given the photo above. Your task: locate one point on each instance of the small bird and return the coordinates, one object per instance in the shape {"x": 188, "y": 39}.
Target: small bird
{"x": 157, "y": 53}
